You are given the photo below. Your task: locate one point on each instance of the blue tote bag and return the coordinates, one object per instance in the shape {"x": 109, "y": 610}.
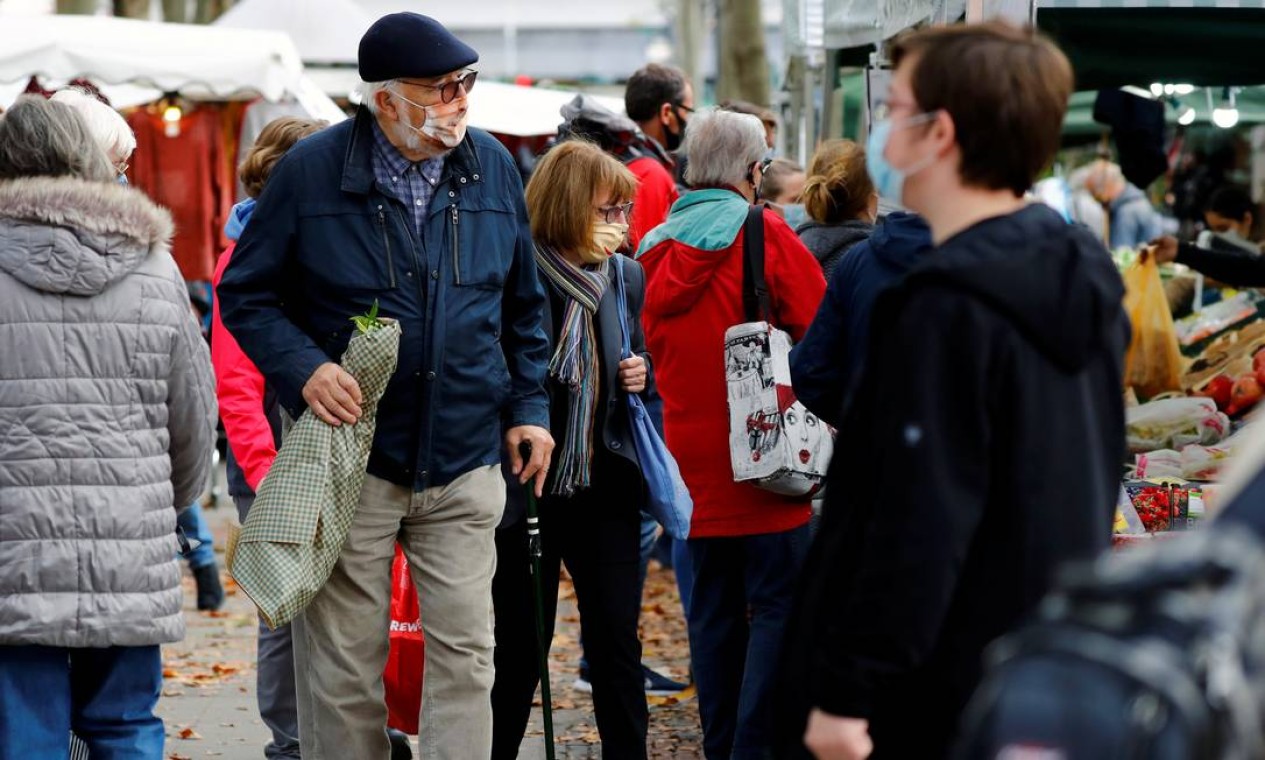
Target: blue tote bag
{"x": 669, "y": 500}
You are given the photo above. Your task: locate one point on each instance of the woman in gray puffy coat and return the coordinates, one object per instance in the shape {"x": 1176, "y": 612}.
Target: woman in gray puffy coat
{"x": 107, "y": 420}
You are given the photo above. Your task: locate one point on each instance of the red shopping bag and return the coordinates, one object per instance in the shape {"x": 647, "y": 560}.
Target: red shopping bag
{"x": 403, "y": 675}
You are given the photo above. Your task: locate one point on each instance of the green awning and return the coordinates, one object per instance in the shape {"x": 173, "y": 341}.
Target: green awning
{"x": 1113, "y": 47}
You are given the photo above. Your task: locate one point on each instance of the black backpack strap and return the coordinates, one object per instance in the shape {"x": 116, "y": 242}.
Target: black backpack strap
{"x": 755, "y": 291}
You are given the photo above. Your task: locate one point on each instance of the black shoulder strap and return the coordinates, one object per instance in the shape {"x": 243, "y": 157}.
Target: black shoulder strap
{"x": 755, "y": 291}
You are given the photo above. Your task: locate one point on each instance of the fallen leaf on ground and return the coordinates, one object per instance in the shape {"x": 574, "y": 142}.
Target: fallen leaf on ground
{"x": 189, "y": 734}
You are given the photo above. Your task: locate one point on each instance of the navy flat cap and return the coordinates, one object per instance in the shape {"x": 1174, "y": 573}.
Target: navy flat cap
{"x": 411, "y": 46}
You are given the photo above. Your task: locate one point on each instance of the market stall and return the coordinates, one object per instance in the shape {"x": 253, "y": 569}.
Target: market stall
{"x": 186, "y": 91}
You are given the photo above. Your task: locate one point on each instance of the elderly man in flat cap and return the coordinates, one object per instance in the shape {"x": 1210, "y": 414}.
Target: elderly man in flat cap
{"x": 406, "y": 207}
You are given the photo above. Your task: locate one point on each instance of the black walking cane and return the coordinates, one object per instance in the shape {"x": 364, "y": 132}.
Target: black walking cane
{"x": 542, "y": 646}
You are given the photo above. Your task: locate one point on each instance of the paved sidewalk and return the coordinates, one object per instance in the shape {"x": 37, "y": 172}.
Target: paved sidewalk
{"x": 209, "y": 691}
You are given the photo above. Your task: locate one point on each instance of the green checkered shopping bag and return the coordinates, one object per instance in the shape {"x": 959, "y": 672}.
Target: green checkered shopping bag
{"x": 304, "y": 507}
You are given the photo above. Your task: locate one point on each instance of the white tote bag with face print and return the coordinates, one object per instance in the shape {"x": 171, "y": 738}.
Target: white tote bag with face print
{"x": 774, "y": 441}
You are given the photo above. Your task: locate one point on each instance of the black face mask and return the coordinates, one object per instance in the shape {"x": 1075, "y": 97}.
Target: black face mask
{"x": 672, "y": 140}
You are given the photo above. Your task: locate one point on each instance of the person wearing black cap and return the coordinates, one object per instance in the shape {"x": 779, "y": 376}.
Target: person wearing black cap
{"x": 406, "y": 210}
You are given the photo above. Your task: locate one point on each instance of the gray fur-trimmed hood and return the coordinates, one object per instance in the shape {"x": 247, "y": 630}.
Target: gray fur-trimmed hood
{"x": 65, "y": 235}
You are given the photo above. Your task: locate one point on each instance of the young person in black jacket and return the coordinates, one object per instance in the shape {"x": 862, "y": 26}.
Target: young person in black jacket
{"x": 1230, "y": 256}
{"x": 982, "y": 447}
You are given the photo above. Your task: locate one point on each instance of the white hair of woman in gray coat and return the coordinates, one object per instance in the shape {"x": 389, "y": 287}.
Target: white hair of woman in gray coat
{"x": 107, "y": 418}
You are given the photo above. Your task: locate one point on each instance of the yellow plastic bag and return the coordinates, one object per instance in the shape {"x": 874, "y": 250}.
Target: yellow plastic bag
{"x": 1153, "y": 364}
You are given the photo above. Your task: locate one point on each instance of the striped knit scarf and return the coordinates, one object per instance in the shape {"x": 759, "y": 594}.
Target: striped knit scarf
{"x": 575, "y": 361}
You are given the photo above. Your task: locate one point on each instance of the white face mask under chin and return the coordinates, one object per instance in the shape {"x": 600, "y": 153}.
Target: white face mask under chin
{"x": 444, "y": 123}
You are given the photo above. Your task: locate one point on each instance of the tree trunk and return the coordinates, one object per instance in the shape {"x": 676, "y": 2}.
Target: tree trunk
{"x": 209, "y": 10}
{"x": 744, "y": 67}
{"x": 176, "y": 11}
{"x": 79, "y": 7}
{"x": 131, "y": 8}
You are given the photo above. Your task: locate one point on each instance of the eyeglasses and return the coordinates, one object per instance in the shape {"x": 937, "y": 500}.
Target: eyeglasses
{"x": 121, "y": 168}
{"x": 612, "y": 213}
{"x": 883, "y": 110}
{"x": 684, "y": 107}
{"x": 448, "y": 90}
{"x": 765, "y": 164}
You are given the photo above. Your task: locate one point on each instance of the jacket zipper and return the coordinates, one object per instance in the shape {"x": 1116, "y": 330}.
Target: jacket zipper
{"x": 417, "y": 263}
{"x": 456, "y": 245}
{"x": 386, "y": 241}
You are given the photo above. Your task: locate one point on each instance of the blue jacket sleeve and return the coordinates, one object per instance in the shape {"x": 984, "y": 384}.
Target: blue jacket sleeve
{"x": 522, "y": 333}
{"x": 251, "y": 299}
{"x": 819, "y": 372}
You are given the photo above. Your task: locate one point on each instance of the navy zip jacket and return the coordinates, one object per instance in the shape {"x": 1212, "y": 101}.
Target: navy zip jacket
{"x": 327, "y": 240}
{"x": 828, "y": 360}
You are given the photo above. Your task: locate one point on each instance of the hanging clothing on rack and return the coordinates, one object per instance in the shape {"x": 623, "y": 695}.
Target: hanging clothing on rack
{"x": 182, "y": 165}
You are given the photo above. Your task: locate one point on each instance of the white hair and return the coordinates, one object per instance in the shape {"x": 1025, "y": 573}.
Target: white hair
{"x": 1103, "y": 176}
{"x": 106, "y": 126}
{"x": 722, "y": 146}
{"x": 367, "y": 92}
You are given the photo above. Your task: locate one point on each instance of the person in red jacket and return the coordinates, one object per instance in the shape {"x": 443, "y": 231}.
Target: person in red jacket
{"x": 658, "y": 98}
{"x": 746, "y": 544}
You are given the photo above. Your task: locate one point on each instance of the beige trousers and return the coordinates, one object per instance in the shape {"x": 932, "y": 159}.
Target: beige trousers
{"x": 340, "y": 640}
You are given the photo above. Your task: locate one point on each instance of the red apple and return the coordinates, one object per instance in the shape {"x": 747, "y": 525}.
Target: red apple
{"x": 1246, "y": 392}
{"x": 1219, "y": 389}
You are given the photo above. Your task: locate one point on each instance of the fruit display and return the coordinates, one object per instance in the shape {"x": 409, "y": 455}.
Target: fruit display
{"x": 1162, "y": 507}
{"x": 1216, "y": 319}
{"x": 1231, "y": 354}
{"x": 1237, "y": 395}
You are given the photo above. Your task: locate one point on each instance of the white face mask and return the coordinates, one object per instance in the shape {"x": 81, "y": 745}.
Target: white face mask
{"x": 607, "y": 238}
{"x": 445, "y": 122}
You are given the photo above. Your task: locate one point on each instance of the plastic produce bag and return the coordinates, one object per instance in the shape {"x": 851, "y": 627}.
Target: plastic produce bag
{"x": 1174, "y": 423}
{"x": 1153, "y": 364}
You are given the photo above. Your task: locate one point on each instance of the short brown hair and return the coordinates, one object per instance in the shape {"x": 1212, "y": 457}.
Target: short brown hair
{"x": 561, "y": 191}
{"x": 839, "y": 187}
{"x": 1005, "y": 88}
{"x": 277, "y": 137}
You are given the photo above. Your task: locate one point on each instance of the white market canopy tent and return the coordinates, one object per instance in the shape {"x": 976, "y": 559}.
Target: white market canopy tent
{"x": 511, "y": 109}
{"x": 199, "y": 62}
{"x": 323, "y": 31}
{"x": 506, "y": 109}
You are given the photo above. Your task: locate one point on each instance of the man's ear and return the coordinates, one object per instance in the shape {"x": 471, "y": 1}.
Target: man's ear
{"x": 943, "y": 132}
{"x": 665, "y": 113}
{"x": 386, "y": 103}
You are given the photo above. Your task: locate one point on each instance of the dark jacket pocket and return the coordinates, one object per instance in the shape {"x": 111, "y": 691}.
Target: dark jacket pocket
{"x": 364, "y": 241}
{"x": 482, "y": 235}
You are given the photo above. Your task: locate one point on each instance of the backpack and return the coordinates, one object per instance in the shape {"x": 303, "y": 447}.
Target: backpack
{"x": 616, "y": 134}
{"x": 1153, "y": 653}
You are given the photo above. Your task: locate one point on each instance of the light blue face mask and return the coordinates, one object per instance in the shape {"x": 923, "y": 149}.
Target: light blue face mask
{"x": 794, "y": 214}
{"x": 122, "y": 180}
{"x": 888, "y": 180}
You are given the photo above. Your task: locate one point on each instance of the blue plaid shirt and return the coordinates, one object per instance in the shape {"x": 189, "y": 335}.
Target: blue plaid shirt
{"x": 412, "y": 183}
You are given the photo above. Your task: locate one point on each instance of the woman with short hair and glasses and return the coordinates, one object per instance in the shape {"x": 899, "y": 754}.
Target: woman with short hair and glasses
{"x": 579, "y": 202}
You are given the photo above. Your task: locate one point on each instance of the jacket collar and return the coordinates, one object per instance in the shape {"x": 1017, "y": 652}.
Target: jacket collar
{"x": 462, "y": 165}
